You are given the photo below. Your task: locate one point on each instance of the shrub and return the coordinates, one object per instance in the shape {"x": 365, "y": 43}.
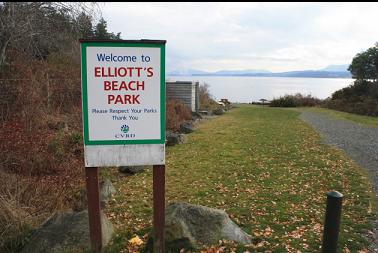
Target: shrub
{"x": 41, "y": 165}
{"x": 25, "y": 202}
{"x": 295, "y": 101}
{"x": 286, "y": 101}
{"x": 40, "y": 173}
{"x": 361, "y": 97}
{"x": 207, "y": 103}
{"x": 176, "y": 113}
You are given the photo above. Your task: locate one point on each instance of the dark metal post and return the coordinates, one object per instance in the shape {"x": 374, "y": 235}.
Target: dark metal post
{"x": 159, "y": 207}
{"x": 94, "y": 209}
{"x": 332, "y": 222}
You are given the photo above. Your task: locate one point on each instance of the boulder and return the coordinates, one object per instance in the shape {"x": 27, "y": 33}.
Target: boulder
{"x": 174, "y": 138}
{"x": 186, "y": 127}
{"x": 131, "y": 169}
{"x": 106, "y": 191}
{"x": 192, "y": 226}
{"x": 218, "y": 111}
{"x": 182, "y": 138}
{"x": 66, "y": 232}
{"x": 171, "y": 137}
{"x": 205, "y": 113}
{"x": 196, "y": 115}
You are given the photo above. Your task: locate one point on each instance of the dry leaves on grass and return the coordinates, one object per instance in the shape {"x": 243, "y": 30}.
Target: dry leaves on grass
{"x": 135, "y": 244}
{"x": 135, "y": 241}
{"x": 271, "y": 176}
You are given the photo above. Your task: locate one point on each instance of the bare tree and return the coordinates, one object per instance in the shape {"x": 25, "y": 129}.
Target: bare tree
{"x": 37, "y": 28}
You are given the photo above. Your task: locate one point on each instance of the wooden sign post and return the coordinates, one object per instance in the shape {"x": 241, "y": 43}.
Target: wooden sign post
{"x": 123, "y": 96}
{"x": 159, "y": 207}
{"x": 94, "y": 208}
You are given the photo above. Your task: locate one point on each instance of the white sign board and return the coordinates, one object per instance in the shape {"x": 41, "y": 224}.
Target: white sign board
{"x": 123, "y": 91}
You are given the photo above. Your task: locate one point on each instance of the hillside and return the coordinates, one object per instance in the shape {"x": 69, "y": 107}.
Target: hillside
{"x": 332, "y": 71}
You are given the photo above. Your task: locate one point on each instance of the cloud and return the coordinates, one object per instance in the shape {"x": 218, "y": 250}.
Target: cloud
{"x": 272, "y": 36}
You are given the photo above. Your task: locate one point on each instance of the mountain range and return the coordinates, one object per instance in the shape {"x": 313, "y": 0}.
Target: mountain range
{"x": 331, "y": 71}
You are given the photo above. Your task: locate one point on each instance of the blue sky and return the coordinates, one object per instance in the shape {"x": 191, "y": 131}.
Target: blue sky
{"x": 271, "y": 36}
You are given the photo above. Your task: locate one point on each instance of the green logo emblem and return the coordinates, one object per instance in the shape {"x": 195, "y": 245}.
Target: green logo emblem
{"x": 124, "y": 128}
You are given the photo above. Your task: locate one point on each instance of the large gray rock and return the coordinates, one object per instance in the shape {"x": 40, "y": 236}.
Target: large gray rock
{"x": 205, "y": 113}
{"x": 106, "y": 191}
{"x": 172, "y": 138}
{"x": 192, "y": 226}
{"x": 66, "y": 232}
{"x": 186, "y": 127}
{"x": 182, "y": 138}
{"x": 175, "y": 138}
{"x": 131, "y": 169}
{"x": 196, "y": 115}
{"x": 218, "y": 111}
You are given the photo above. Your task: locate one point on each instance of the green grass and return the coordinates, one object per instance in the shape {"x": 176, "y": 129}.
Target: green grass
{"x": 365, "y": 120}
{"x": 270, "y": 172}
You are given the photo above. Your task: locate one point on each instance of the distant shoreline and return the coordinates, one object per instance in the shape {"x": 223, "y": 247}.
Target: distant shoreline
{"x": 300, "y": 74}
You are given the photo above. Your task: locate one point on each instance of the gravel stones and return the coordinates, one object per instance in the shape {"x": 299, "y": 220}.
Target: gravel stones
{"x": 358, "y": 141}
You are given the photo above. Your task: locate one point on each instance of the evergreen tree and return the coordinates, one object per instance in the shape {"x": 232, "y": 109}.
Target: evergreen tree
{"x": 84, "y": 26}
{"x": 101, "y": 31}
{"x": 365, "y": 65}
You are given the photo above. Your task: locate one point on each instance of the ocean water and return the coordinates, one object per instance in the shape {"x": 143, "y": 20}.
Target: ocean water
{"x": 249, "y": 89}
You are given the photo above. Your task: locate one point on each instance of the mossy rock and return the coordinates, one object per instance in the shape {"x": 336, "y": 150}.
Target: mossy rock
{"x": 193, "y": 226}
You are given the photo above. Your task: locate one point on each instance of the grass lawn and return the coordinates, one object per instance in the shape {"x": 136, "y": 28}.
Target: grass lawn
{"x": 267, "y": 169}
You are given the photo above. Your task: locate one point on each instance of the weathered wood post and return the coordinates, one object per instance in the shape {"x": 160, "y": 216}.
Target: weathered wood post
{"x": 332, "y": 222}
{"x": 94, "y": 208}
{"x": 159, "y": 207}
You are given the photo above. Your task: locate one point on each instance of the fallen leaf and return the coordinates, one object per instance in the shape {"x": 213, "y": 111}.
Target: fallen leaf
{"x": 135, "y": 241}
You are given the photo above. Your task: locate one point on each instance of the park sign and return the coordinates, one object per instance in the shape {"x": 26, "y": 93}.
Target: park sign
{"x": 123, "y": 96}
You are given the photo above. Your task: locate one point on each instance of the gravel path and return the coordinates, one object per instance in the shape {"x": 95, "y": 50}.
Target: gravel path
{"x": 358, "y": 141}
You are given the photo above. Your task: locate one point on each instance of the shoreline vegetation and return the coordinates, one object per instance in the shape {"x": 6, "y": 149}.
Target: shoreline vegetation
{"x": 361, "y": 97}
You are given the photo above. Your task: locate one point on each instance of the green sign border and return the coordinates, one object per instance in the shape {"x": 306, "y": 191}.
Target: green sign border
{"x": 84, "y": 46}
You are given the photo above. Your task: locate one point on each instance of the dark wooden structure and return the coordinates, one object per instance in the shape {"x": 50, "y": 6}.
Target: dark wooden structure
{"x": 186, "y": 92}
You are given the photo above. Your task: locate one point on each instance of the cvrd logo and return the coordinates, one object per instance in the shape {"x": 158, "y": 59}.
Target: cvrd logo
{"x": 125, "y": 128}
{"x": 124, "y": 135}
